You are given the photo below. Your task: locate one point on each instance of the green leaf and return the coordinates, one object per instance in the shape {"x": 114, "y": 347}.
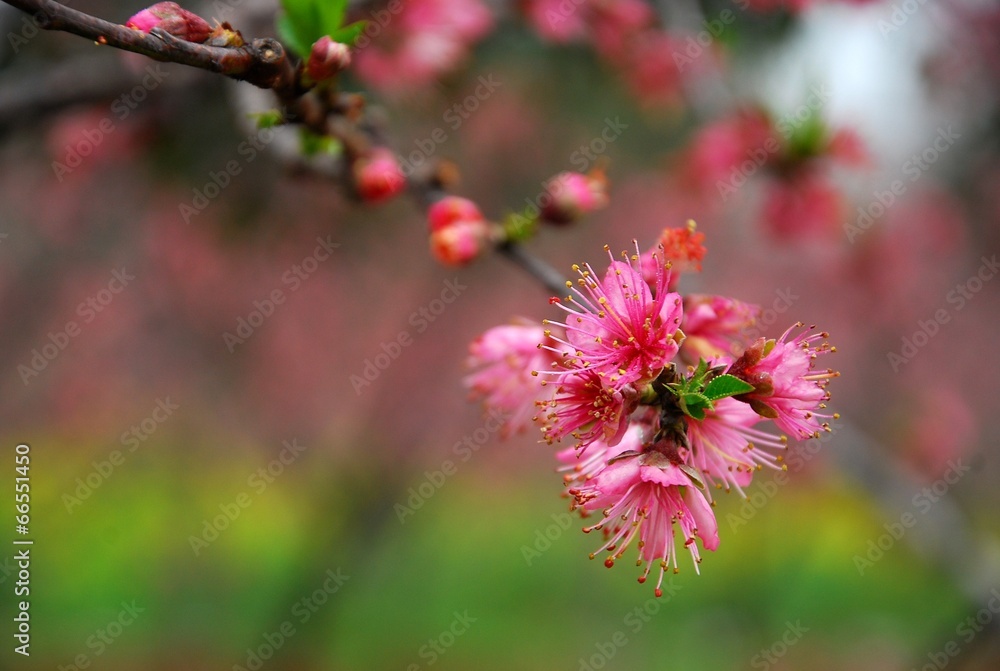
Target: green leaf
{"x": 306, "y": 21}
{"x": 291, "y": 37}
{"x": 694, "y": 404}
{"x": 726, "y": 385}
{"x": 268, "y": 119}
{"x": 313, "y": 144}
{"x": 331, "y": 14}
{"x": 349, "y": 33}
{"x": 700, "y": 371}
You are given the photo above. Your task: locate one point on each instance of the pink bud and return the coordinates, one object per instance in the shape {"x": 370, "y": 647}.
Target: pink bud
{"x": 174, "y": 19}
{"x": 460, "y": 242}
{"x": 450, "y": 210}
{"x": 377, "y": 177}
{"x": 570, "y": 195}
{"x": 327, "y": 58}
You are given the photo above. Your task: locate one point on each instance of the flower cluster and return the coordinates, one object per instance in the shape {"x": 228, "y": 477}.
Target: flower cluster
{"x": 653, "y": 398}
{"x": 796, "y": 155}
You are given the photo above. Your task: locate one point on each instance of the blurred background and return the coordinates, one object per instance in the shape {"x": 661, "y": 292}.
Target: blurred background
{"x": 251, "y": 447}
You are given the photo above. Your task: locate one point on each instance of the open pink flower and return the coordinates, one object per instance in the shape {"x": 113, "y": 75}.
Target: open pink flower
{"x": 581, "y": 464}
{"x": 587, "y": 408}
{"x": 645, "y": 495}
{"x": 716, "y": 325}
{"x": 619, "y": 327}
{"x": 726, "y": 447}
{"x": 505, "y": 358}
{"x": 785, "y": 387}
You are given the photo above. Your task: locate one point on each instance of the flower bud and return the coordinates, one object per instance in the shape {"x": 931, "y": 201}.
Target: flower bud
{"x": 174, "y": 19}
{"x": 450, "y": 210}
{"x": 327, "y": 58}
{"x": 570, "y": 195}
{"x": 460, "y": 242}
{"x": 377, "y": 177}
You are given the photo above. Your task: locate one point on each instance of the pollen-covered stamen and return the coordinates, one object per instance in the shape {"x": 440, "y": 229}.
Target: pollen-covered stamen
{"x": 727, "y": 448}
{"x": 644, "y": 497}
{"x": 589, "y": 406}
{"x": 786, "y": 388}
{"x": 620, "y": 326}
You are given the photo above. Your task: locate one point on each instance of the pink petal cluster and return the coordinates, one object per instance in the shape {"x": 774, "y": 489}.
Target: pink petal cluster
{"x": 174, "y": 19}
{"x": 726, "y": 448}
{"x": 504, "y": 359}
{"x": 427, "y": 39}
{"x": 588, "y": 409}
{"x": 611, "y": 378}
{"x": 620, "y": 327}
{"x": 643, "y": 496}
{"x": 787, "y": 389}
{"x": 715, "y": 326}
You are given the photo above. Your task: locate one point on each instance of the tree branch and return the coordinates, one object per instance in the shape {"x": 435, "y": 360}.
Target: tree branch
{"x": 262, "y": 62}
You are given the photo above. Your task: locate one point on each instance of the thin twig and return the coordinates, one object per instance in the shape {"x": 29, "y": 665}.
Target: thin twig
{"x": 261, "y": 62}
{"x": 538, "y": 269}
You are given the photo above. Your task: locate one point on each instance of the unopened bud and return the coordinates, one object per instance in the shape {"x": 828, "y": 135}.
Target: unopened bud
{"x": 451, "y": 210}
{"x": 571, "y": 195}
{"x": 460, "y": 242}
{"x": 327, "y": 58}
{"x": 377, "y": 177}
{"x": 174, "y": 19}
